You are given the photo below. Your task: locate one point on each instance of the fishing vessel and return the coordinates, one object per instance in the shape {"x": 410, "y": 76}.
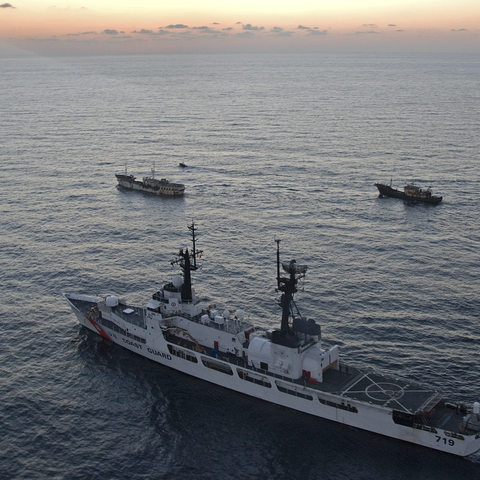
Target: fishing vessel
{"x": 410, "y": 193}
{"x": 287, "y": 366}
{"x": 150, "y": 184}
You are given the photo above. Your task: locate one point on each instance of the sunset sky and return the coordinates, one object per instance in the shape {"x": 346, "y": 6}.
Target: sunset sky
{"x": 148, "y": 26}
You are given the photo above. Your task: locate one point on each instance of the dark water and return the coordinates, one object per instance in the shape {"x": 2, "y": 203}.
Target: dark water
{"x": 278, "y": 147}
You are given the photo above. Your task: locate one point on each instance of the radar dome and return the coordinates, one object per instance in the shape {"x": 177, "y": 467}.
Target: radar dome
{"x": 177, "y": 281}
{"x": 111, "y": 301}
{"x": 240, "y": 314}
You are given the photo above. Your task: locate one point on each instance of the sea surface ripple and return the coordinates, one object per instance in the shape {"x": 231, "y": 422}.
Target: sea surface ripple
{"x": 278, "y": 147}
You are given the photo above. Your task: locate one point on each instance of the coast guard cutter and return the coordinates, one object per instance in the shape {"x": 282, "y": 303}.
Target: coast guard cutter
{"x": 287, "y": 366}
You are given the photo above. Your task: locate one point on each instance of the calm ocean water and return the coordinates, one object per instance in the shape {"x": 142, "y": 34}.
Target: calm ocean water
{"x": 280, "y": 146}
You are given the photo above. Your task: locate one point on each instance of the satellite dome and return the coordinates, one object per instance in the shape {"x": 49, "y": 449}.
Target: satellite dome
{"x": 111, "y": 301}
{"x": 177, "y": 281}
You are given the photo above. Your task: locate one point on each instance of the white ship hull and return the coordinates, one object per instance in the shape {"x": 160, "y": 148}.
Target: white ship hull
{"x": 365, "y": 416}
{"x": 285, "y": 366}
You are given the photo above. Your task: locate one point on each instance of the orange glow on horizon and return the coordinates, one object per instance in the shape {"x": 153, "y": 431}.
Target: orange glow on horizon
{"x": 186, "y": 22}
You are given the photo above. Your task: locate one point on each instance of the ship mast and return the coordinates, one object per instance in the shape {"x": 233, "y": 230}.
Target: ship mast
{"x": 185, "y": 259}
{"x": 288, "y": 286}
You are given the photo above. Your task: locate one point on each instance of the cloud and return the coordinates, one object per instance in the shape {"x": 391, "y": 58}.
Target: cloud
{"x": 365, "y": 33}
{"x": 312, "y": 31}
{"x": 143, "y": 32}
{"x": 251, "y": 27}
{"x": 459, "y": 30}
{"x": 78, "y": 34}
{"x": 228, "y": 28}
{"x": 205, "y": 29}
{"x": 49, "y": 39}
{"x": 372, "y": 25}
{"x": 391, "y": 25}
{"x": 247, "y": 34}
{"x": 280, "y": 32}
{"x": 317, "y": 32}
{"x": 178, "y": 25}
{"x": 110, "y": 32}
{"x": 6, "y": 5}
